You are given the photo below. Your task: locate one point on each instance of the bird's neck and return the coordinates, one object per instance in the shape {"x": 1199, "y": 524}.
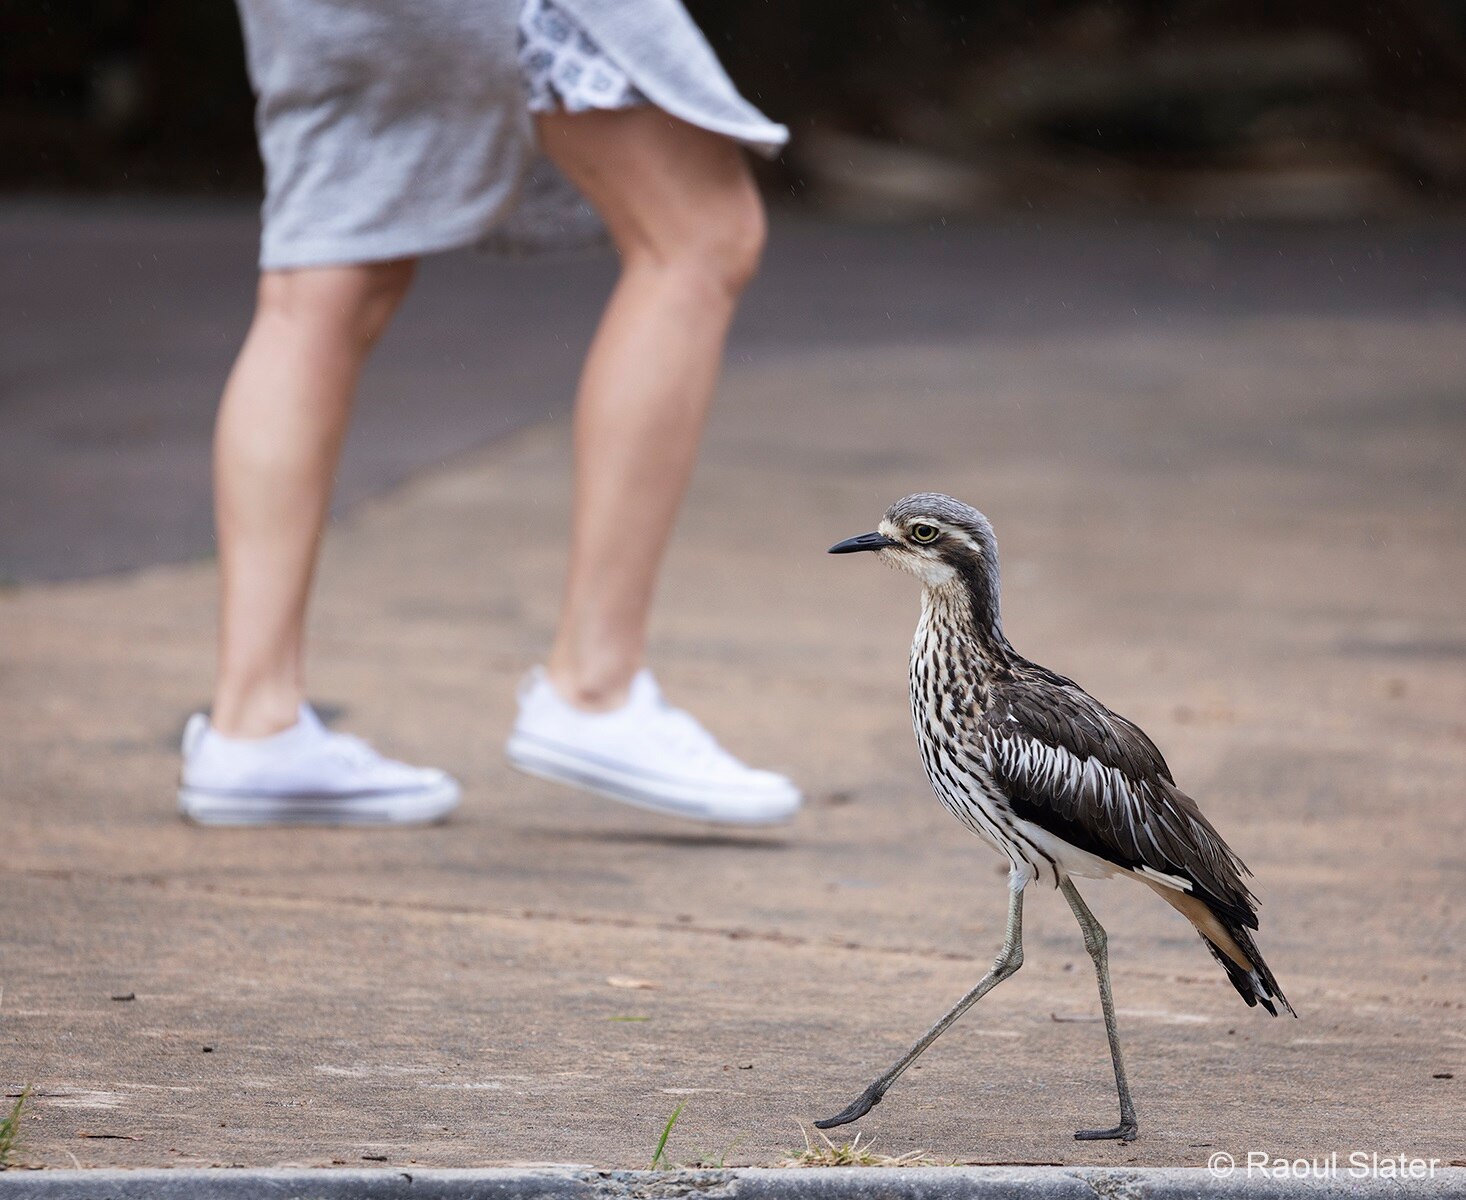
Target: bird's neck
{"x": 967, "y": 607}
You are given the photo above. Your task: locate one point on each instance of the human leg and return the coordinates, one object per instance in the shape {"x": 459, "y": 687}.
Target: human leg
{"x": 689, "y": 228}
{"x": 264, "y": 758}
{"x": 280, "y": 428}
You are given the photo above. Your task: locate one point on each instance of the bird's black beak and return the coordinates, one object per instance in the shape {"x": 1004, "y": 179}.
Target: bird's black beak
{"x": 866, "y": 541}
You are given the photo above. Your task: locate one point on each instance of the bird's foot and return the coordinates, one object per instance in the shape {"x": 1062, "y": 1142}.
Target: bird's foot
{"x": 866, "y": 1101}
{"x": 1124, "y": 1132}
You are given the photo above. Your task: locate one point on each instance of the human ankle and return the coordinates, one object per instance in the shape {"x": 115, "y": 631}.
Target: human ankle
{"x": 590, "y": 693}
{"x": 254, "y": 715}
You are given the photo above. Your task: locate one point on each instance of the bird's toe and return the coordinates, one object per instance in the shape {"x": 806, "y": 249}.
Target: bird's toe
{"x": 867, "y": 1101}
{"x": 1120, "y": 1133}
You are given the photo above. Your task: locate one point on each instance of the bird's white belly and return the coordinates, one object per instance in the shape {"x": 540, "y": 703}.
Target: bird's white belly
{"x": 1070, "y": 859}
{"x": 969, "y": 794}
{"x": 988, "y": 815}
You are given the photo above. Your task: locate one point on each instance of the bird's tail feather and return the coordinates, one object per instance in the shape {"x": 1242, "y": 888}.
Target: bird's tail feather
{"x": 1257, "y": 985}
{"x": 1232, "y": 945}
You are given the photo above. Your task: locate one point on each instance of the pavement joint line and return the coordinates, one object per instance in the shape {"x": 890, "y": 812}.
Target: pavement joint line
{"x": 550, "y": 1182}
{"x": 298, "y": 899}
{"x": 426, "y": 908}
{"x": 526, "y": 915}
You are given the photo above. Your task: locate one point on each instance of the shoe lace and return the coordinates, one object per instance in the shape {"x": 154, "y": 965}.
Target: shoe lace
{"x": 685, "y": 732}
{"x": 352, "y": 751}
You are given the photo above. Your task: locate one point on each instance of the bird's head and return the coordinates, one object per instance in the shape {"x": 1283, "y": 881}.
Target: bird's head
{"x": 934, "y": 537}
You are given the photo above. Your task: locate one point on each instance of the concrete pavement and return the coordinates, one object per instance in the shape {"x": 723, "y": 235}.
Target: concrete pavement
{"x": 1243, "y": 531}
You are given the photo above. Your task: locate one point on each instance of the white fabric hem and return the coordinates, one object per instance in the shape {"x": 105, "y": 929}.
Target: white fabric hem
{"x": 285, "y": 254}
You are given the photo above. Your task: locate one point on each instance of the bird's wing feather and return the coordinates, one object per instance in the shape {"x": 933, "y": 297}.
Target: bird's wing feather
{"x": 1089, "y": 776}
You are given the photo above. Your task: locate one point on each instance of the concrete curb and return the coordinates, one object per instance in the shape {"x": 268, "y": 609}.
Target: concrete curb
{"x": 581, "y": 1183}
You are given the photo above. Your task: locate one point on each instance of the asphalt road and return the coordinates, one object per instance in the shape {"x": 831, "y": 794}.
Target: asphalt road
{"x": 118, "y": 323}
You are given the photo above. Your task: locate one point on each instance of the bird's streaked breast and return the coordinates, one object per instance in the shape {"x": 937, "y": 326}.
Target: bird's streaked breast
{"x": 946, "y": 698}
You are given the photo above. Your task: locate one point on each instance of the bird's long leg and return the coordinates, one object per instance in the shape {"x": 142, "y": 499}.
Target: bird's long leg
{"x": 1097, "y": 943}
{"x": 1009, "y": 959}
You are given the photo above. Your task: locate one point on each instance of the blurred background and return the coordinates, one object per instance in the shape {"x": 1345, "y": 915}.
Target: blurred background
{"x": 957, "y": 168}
{"x": 1305, "y": 107}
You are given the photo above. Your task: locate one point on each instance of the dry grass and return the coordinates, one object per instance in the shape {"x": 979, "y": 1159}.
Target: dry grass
{"x": 850, "y": 1154}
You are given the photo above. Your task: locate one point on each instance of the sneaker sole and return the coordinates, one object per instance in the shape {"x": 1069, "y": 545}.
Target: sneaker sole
{"x": 204, "y": 807}
{"x": 544, "y": 763}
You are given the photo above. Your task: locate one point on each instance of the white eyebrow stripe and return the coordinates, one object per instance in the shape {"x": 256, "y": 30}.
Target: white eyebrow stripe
{"x": 963, "y": 537}
{"x": 891, "y": 530}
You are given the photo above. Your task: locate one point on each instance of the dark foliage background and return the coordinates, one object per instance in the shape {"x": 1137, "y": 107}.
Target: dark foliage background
{"x": 1314, "y": 105}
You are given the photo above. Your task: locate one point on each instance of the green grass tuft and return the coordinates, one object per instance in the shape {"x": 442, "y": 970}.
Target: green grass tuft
{"x": 708, "y": 1160}
{"x": 659, "y": 1160}
{"x": 10, "y": 1127}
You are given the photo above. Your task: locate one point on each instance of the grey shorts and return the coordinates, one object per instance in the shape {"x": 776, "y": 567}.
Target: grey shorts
{"x": 391, "y": 130}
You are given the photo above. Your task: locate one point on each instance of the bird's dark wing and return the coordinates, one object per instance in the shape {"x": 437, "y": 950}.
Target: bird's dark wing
{"x": 1087, "y": 775}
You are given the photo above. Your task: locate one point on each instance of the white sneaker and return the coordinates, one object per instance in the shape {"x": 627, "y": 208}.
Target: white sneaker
{"x": 304, "y": 775}
{"x": 645, "y": 753}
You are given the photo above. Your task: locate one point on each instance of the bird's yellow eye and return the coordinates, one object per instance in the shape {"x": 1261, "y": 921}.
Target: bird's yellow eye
{"x": 924, "y": 533}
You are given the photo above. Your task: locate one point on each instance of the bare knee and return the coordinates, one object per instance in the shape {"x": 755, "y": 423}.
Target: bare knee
{"x": 731, "y": 246}
{"x": 715, "y": 246}
{"x": 355, "y": 302}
